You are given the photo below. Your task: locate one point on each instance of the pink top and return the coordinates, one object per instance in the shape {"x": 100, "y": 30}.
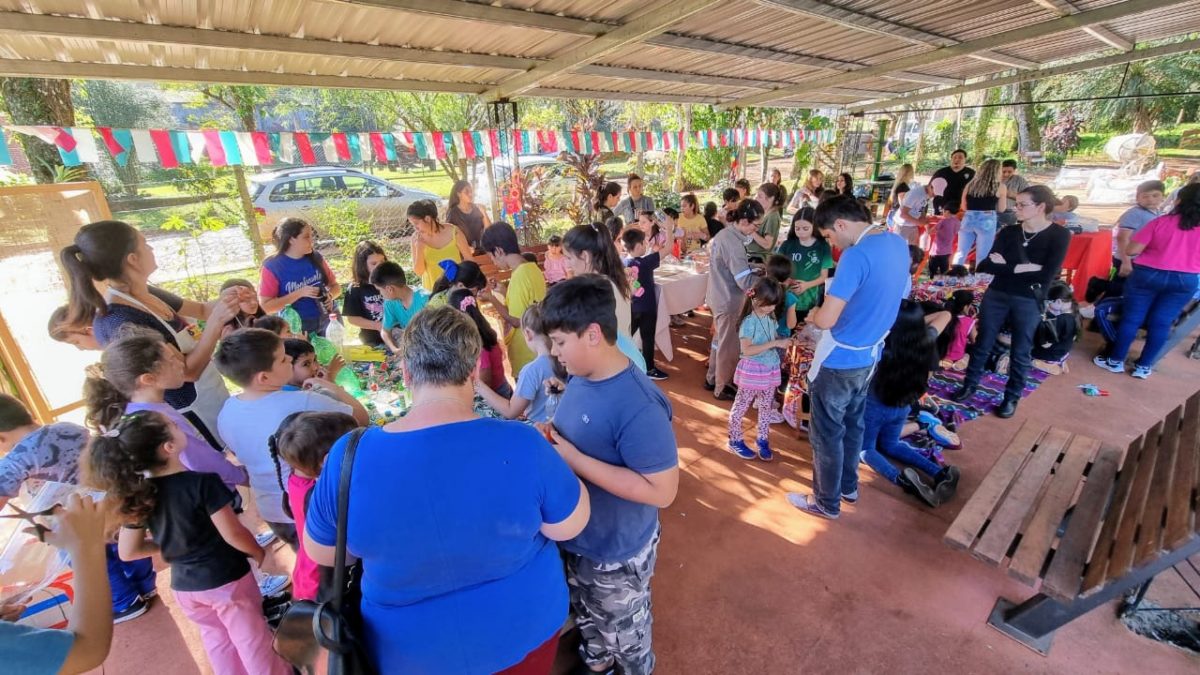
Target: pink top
{"x": 962, "y": 333}
{"x": 494, "y": 359}
{"x": 1168, "y": 247}
{"x": 305, "y": 575}
{"x": 943, "y": 236}
{"x": 555, "y": 269}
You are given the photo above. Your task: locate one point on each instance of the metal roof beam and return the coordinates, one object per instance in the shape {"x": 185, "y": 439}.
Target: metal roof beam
{"x": 1108, "y": 37}
{"x": 1072, "y": 22}
{"x": 123, "y": 31}
{"x": 868, "y": 23}
{"x": 104, "y": 71}
{"x": 650, "y": 23}
{"x": 505, "y": 16}
{"x": 1029, "y": 76}
{"x": 669, "y": 76}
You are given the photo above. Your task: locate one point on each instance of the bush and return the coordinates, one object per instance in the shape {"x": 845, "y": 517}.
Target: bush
{"x": 1063, "y": 134}
{"x": 705, "y": 168}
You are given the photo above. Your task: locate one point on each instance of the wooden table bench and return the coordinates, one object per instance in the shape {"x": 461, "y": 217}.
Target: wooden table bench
{"x": 1086, "y": 520}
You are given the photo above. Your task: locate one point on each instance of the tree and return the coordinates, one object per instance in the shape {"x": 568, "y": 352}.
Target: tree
{"x": 121, "y": 105}
{"x": 32, "y": 101}
{"x": 441, "y": 112}
{"x": 242, "y": 103}
{"x": 1029, "y": 138}
{"x": 984, "y": 123}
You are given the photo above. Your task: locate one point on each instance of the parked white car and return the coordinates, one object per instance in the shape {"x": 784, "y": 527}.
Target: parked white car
{"x": 297, "y": 193}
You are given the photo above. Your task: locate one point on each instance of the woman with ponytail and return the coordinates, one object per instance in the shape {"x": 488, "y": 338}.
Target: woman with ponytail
{"x": 763, "y": 240}
{"x": 134, "y": 373}
{"x": 589, "y": 250}
{"x": 117, "y": 254}
{"x": 194, "y": 528}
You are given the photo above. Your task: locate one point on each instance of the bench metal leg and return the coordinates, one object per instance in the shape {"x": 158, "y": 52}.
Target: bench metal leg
{"x": 1188, "y": 322}
{"x": 1033, "y": 622}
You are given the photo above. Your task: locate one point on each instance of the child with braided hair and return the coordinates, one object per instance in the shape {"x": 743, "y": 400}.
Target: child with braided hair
{"x": 192, "y": 525}
{"x": 303, "y": 441}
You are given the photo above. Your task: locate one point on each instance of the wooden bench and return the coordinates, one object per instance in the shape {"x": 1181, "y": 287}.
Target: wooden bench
{"x": 493, "y": 273}
{"x": 1087, "y": 520}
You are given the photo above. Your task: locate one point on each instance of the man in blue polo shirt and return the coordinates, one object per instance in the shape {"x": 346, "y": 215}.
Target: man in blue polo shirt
{"x": 859, "y": 310}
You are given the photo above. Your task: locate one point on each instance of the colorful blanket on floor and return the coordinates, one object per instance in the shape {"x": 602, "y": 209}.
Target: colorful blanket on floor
{"x": 987, "y": 398}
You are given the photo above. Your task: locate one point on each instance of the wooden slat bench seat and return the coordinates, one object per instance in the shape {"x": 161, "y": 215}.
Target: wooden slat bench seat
{"x": 501, "y": 276}
{"x": 1084, "y": 520}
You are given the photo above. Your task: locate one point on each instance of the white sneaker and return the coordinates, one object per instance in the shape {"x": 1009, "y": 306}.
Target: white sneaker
{"x": 264, "y": 538}
{"x": 273, "y": 584}
{"x": 1087, "y": 311}
{"x": 775, "y": 417}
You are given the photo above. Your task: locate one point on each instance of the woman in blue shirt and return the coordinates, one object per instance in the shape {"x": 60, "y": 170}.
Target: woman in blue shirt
{"x": 461, "y": 574}
{"x": 298, "y": 275}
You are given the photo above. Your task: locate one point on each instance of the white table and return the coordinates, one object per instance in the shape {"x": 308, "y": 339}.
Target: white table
{"x": 679, "y": 289}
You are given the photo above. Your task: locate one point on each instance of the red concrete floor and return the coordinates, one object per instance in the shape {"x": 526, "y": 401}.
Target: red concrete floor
{"x": 747, "y": 584}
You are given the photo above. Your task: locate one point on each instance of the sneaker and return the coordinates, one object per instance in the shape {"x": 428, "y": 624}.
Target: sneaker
{"x": 1087, "y": 311}
{"x": 150, "y": 594}
{"x": 264, "y": 538}
{"x": 775, "y": 417}
{"x": 910, "y": 481}
{"x": 764, "y": 450}
{"x": 1109, "y": 365}
{"x": 851, "y": 498}
{"x": 1141, "y": 372}
{"x": 742, "y": 450}
{"x": 945, "y": 484}
{"x": 809, "y": 505}
{"x": 131, "y": 612}
{"x": 656, "y": 374}
{"x": 273, "y": 584}
{"x": 709, "y": 386}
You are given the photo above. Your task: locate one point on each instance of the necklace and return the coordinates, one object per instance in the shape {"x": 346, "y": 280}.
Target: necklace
{"x": 1031, "y": 237}
{"x": 869, "y": 230}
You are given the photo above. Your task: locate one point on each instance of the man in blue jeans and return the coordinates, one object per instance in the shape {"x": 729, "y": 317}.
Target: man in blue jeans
{"x": 859, "y": 309}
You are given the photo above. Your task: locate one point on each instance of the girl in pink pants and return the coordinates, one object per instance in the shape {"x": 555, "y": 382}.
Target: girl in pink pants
{"x": 192, "y": 526}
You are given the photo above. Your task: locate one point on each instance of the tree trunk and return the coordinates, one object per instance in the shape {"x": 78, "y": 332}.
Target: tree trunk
{"x": 639, "y": 164}
{"x": 1143, "y": 122}
{"x": 34, "y": 101}
{"x": 983, "y": 123}
{"x": 491, "y": 179}
{"x": 764, "y": 161}
{"x": 1029, "y": 137}
{"x": 252, "y": 232}
{"x": 919, "y": 153}
{"x": 679, "y": 153}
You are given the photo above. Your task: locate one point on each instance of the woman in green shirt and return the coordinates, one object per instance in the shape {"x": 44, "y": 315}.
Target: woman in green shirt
{"x": 763, "y": 241}
{"x": 811, "y": 259}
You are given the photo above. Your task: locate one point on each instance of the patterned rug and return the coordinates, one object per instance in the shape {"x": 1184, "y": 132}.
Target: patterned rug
{"x": 987, "y": 398}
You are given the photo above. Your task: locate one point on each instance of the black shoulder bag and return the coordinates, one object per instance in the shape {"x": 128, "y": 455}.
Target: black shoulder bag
{"x": 333, "y": 627}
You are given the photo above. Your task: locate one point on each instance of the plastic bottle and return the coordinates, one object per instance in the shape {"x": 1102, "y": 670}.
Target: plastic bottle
{"x": 336, "y": 334}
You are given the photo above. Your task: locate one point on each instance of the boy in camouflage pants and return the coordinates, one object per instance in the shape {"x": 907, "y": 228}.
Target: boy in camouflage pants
{"x": 613, "y": 427}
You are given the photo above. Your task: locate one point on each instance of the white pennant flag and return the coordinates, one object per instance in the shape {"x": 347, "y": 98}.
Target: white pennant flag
{"x": 143, "y": 145}
{"x": 196, "y": 140}
{"x": 287, "y": 148}
{"x": 246, "y": 147}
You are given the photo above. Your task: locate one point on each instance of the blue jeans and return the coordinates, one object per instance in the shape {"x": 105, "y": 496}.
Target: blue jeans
{"x": 978, "y": 230}
{"x": 128, "y": 580}
{"x": 881, "y": 440}
{"x": 1021, "y": 314}
{"x": 838, "y": 401}
{"x": 1154, "y": 298}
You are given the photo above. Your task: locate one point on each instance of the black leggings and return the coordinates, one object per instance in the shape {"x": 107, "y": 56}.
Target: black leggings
{"x": 939, "y": 264}
{"x": 646, "y": 323}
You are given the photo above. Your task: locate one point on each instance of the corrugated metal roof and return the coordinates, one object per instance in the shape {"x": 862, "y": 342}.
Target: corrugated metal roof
{"x": 736, "y": 41}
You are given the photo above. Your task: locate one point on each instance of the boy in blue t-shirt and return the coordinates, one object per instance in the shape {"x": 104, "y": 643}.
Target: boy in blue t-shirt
{"x": 859, "y": 310}
{"x": 400, "y": 302}
{"x": 613, "y": 428}
{"x": 644, "y": 304}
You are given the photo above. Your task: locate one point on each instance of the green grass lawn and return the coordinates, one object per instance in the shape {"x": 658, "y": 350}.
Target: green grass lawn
{"x": 437, "y": 181}
{"x": 1179, "y": 153}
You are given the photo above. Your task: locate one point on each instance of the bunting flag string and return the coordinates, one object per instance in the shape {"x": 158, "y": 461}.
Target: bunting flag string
{"x": 170, "y": 148}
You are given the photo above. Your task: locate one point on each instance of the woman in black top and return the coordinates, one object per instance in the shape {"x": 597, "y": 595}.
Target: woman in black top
{"x": 463, "y": 213}
{"x": 608, "y": 197}
{"x": 1024, "y": 261}
{"x": 710, "y": 217}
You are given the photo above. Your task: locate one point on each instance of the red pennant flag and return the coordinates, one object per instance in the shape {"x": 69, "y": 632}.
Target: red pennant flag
{"x": 576, "y": 142}
{"x": 262, "y": 146}
{"x": 547, "y": 141}
{"x": 166, "y": 151}
{"x": 439, "y": 145}
{"x": 408, "y": 139}
{"x": 114, "y": 147}
{"x": 212, "y": 143}
{"x": 468, "y": 143}
{"x": 378, "y": 146}
{"x": 341, "y": 146}
{"x": 647, "y": 140}
{"x": 64, "y": 139}
{"x": 307, "y": 156}
{"x": 494, "y": 141}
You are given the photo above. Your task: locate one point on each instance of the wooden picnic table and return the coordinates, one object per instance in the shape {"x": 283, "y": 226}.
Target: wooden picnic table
{"x": 1085, "y": 520}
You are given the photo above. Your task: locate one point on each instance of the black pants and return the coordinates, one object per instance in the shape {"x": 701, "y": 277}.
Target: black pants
{"x": 939, "y": 264}
{"x": 1021, "y": 314}
{"x": 646, "y": 323}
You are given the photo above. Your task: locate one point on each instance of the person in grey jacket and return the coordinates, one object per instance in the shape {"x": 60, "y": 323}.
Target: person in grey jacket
{"x": 636, "y": 202}
{"x": 729, "y": 277}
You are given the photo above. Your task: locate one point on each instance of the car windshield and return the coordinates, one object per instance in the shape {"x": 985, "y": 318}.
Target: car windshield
{"x": 256, "y": 189}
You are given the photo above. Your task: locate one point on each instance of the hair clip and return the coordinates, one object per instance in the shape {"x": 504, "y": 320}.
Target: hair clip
{"x": 468, "y": 301}
{"x": 750, "y": 293}
{"x": 110, "y": 433}
{"x": 449, "y": 268}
